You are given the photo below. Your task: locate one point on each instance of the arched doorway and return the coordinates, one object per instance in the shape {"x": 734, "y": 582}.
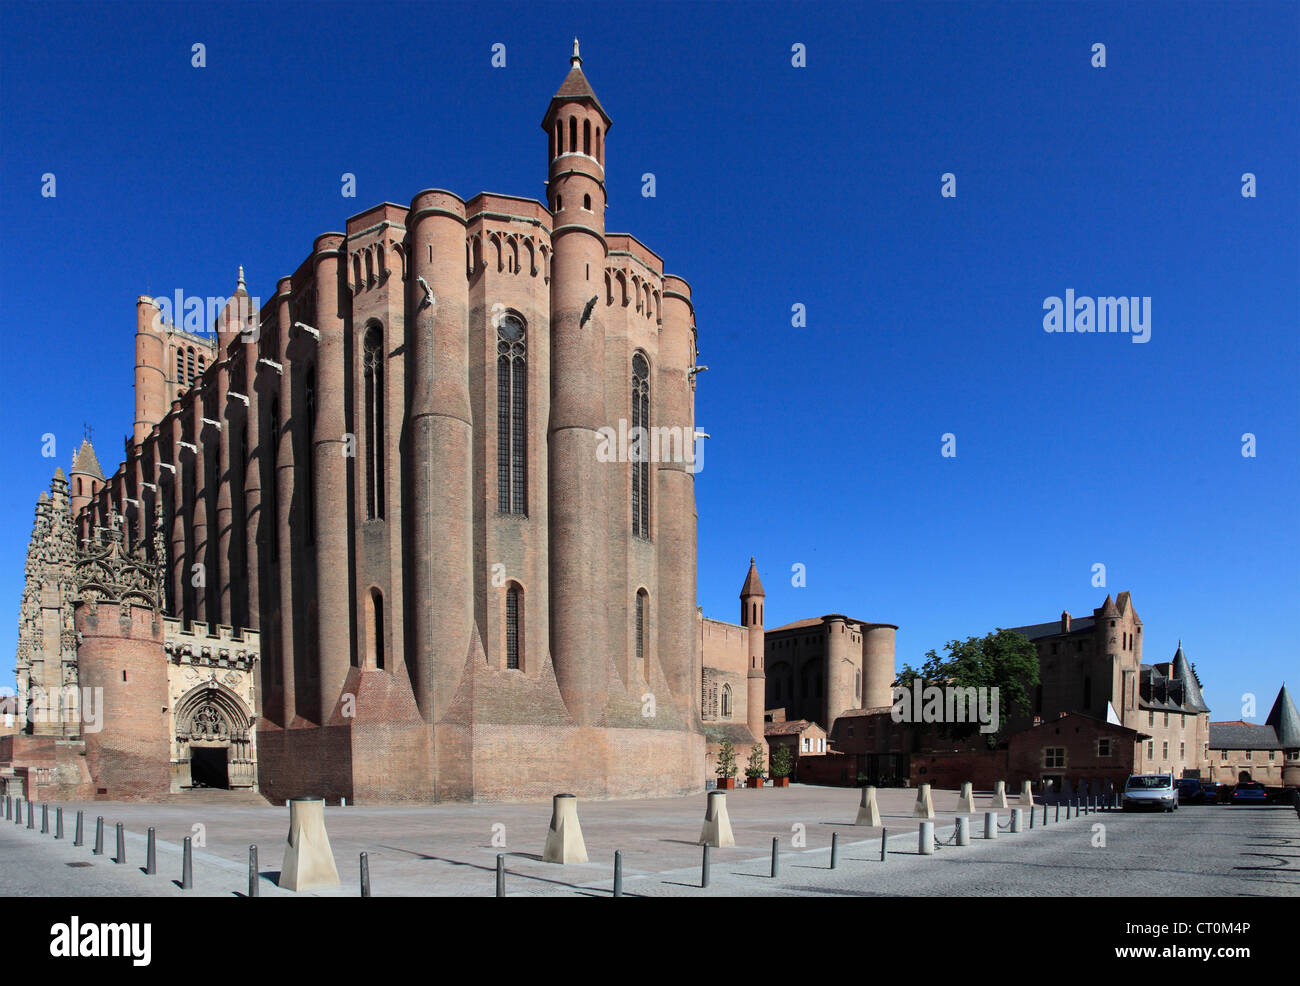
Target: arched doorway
{"x": 214, "y": 745}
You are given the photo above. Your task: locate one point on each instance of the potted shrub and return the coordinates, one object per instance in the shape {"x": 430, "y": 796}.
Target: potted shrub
{"x": 755, "y": 768}
{"x": 782, "y": 764}
{"x": 726, "y": 770}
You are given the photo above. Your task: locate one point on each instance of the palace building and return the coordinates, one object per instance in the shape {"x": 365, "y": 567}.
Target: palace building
{"x": 362, "y": 543}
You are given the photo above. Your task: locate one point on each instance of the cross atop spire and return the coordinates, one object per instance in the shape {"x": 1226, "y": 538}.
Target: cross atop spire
{"x": 577, "y": 58}
{"x": 241, "y": 276}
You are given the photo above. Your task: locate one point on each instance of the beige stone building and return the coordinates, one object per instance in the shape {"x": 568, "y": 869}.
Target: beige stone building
{"x": 1268, "y": 752}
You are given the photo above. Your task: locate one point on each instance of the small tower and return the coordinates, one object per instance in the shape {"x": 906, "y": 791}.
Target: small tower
{"x": 752, "y": 598}
{"x": 1286, "y": 724}
{"x": 84, "y": 484}
{"x": 576, "y": 124}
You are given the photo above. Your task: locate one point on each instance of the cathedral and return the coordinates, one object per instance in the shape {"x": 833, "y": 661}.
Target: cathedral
{"x": 364, "y": 542}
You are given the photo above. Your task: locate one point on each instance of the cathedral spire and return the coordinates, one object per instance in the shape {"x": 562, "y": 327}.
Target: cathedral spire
{"x": 576, "y": 60}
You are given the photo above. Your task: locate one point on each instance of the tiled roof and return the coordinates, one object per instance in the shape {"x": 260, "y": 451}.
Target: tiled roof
{"x": 1034, "y": 631}
{"x": 1242, "y": 736}
{"x": 1191, "y": 687}
{"x": 790, "y": 728}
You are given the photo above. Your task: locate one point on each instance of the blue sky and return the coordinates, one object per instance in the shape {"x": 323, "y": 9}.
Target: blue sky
{"x": 776, "y": 186}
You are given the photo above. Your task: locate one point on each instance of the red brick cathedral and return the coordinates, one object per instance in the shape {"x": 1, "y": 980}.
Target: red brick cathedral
{"x": 366, "y": 543}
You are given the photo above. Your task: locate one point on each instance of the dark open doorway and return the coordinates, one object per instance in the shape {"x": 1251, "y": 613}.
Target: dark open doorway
{"x": 208, "y": 767}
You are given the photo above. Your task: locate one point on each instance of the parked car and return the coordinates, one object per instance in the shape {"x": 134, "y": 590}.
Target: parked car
{"x": 1250, "y": 793}
{"x": 1190, "y": 791}
{"x": 1155, "y": 791}
{"x": 1211, "y": 792}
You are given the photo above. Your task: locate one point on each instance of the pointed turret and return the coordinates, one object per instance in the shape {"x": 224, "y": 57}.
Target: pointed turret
{"x": 753, "y": 584}
{"x": 86, "y": 463}
{"x": 1182, "y": 670}
{"x": 1108, "y": 608}
{"x": 1285, "y": 720}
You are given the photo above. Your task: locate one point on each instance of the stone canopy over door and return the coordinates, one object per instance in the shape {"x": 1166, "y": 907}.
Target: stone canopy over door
{"x": 213, "y": 729}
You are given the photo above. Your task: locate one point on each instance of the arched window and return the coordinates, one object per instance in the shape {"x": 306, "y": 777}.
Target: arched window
{"x": 586, "y": 137}
{"x": 726, "y": 701}
{"x": 641, "y": 447}
{"x": 189, "y": 366}
{"x": 372, "y": 370}
{"x": 180, "y": 367}
{"x": 642, "y": 621}
{"x": 586, "y": 202}
{"x": 514, "y": 626}
{"x": 598, "y": 151}
{"x": 573, "y": 133}
{"x": 512, "y": 416}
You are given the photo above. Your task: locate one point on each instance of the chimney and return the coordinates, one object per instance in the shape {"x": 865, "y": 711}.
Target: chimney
{"x": 1065, "y": 621}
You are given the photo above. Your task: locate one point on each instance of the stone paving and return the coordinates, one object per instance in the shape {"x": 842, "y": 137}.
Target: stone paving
{"x": 449, "y": 850}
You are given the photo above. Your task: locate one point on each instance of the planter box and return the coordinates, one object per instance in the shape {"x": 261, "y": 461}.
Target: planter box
{"x": 726, "y": 783}
{"x": 753, "y": 782}
{"x": 780, "y": 782}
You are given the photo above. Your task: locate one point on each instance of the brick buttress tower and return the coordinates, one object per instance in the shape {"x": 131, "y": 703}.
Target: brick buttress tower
{"x": 576, "y": 125}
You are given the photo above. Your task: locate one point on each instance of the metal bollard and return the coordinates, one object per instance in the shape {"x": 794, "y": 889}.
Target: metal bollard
{"x": 98, "y": 850}
{"x": 1067, "y": 811}
{"x": 963, "y": 830}
{"x": 254, "y": 882}
{"x": 77, "y": 835}
{"x": 150, "y": 854}
{"x": 1044, "y": 815}
{"x": 9, "y": 807}
{"x": 1058, "y": 811}
{"x": 1017, "y": 820}
{"x": 365, "y": 875}
{"x": 121, "y": 844}
{"x": 58, "y": 822}
{"x": 990, "y": 825}
{"x": 776, "y": 855}
{"x": 18, "y": 813}
{"x": 45, "y": 818}
{"x": 1032, "y": 812}
{"x": 31, "y": 816}
{"x": 704, "y": 868}
{"x": 618, "y": 872}
{"x": 884, "y": 843}
{"x": 925, "y": 839}
{"x": 835, "y": 849}
{"x": 501, "y": 874}
{"x": 187, "y": 865}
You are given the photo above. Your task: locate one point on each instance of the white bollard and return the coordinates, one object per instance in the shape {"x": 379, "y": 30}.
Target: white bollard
{"x": 924, "y": 803}
{"x": 963, "y": 830}
{"x": 966, "y": 803}
{"x": 308, "y": 862}
{"x": 564, "y": 838}
{"x": 868, "y": 811}
{"x": 1027, "y": 793}
{"x": 990, "y": 825}
{"x": 925, "y": 839}
{"x": 1016, "y": 819}
{"x": 1000, "y": 794}
{"x": 717, "y": 824}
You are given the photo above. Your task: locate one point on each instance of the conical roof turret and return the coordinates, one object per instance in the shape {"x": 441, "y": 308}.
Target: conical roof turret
{"x": 1285, "y": 720}
{"x": 753, "y": 584}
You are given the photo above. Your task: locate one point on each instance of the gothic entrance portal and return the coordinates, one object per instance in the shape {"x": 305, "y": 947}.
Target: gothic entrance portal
{"x": 213, "y": 747}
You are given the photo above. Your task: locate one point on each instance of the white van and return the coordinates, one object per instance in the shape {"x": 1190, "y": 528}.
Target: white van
{"x": 1150, "y": 791}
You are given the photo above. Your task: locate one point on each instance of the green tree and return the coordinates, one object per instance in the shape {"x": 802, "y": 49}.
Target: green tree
{"x": 756, "y": 766}
{"x": 1004, "y": 659}
{"x": 782, "y": 762}
{"x": 726, "y": 759}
